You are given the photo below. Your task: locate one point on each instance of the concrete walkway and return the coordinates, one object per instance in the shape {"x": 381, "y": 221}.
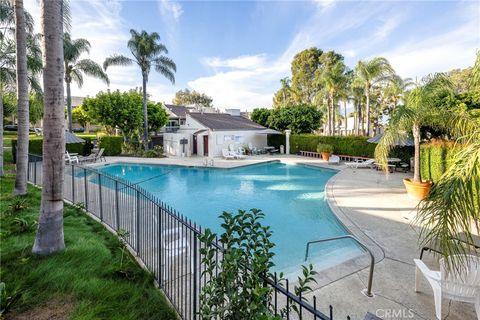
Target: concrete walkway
{"x": 375, "y": 208}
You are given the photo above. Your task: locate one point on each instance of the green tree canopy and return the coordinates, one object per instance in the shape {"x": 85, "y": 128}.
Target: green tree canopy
{"x": 301, "y": 118}
{"x": 304, "y": 67}
{"x": 81, "y": 116}
{"x": 261, "y": 115}
{"x": 157, "y": 116}
{"x": 117, "y": 109}
{"x": 184, "y": 97}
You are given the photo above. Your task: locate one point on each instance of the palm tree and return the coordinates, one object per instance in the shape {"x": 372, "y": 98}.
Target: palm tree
{"x": 368, "y": 73}
{"x": 453, "y": 204}
{"x": 334, "y": 80}
{"x": 147, "y": 52}
{"x": 49, "y": 237}
{"x": 396, "y": 90}
{"x": 75, "y": 68}
{"x": 8, "y": 64}
{"x": 409, "y": 118}
{"x": 22, "y": 100}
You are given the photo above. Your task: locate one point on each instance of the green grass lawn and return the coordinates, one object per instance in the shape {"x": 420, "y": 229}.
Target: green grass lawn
{"x": 88, "y": 280}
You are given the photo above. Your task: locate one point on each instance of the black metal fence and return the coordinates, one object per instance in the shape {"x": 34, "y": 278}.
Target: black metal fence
{"x": 165, "y": 241}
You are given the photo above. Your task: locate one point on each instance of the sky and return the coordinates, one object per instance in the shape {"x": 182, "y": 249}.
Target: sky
{"x": 237, "y": 51}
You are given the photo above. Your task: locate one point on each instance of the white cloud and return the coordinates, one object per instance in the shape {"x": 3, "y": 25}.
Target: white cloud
{"x": 439, "y": 53}
{"x": 325, "y": 4}
{"x": 242, "y": 62}
{"x": 170, "y": 9}
{"x": 387, "y": 27}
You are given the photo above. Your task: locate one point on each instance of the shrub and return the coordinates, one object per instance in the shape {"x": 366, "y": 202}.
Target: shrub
{"x": 435, "y": 158}
{"x": 35, "y": 146}
{"x": 325, "y": 148}
{"x": 344, "y": 145}
{"x": 111, "y": 144}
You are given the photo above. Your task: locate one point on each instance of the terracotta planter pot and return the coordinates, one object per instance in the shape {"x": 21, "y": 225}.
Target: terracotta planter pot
{"x": 326, "y": 156}
{"x": 417, "y": 190}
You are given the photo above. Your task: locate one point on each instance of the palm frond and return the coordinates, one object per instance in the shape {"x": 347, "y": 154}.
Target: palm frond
{"x": 77, "y": 77}
{"x": 91, "y": 68}
{"x": 453, "y": 205}
{"x": 166, "y": 72}
{"x": 166, "y": 62}
{"x": 117, "y": 60}
{"x": 74, "y": 48}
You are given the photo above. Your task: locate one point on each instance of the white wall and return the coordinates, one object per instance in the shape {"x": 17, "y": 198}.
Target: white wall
{"x": 172, "y": 146}
{"x": 217, "y": 140}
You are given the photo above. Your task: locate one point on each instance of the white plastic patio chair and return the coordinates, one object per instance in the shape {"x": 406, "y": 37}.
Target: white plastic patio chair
{"x": 253, "y": 149}
{"x": 70, "y": 159}
{"x": 174, "y": 244}
{"x": 226, "y": 155}
{"x": 235, "y": 154}
{"x": 462, "y": 284}
{"x": 334, "y": 159}
{"x": 364, "y": 164}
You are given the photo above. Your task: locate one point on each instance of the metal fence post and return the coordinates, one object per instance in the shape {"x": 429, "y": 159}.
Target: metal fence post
{"x": 73, "y": 184}
{"x": 86, "y": 188}
{"x": 100, "y": 196}
{"x": 195, "y": 276}
{"x": 137, "y": 223}
{"x": 116, "y": 205}
{"x": 35, "y": 172}
{"x": 159, "y": 246}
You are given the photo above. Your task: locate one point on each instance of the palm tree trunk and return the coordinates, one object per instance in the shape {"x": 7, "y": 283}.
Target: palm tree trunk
{"x": 345, "y": 113}
{"x": 69, "y": 106}
{"x": 145, "y": 113}
{"x": 367, "y": 95}
{"x": 1, "y": 133}
{"x": 329, "y": 117}
{"x": 49, "y": 238}
{"x": 22, "y": 100}
{"x": 417, "y": 173}
{"x": 333, "y": 116}
{"x": 361, "y": 123}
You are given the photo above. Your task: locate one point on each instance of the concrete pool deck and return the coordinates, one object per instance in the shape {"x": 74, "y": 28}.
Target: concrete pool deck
{"x": 376, "y": 209}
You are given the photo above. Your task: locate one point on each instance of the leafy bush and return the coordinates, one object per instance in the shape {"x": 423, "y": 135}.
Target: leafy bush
{"x": 435, "y": 158}
{"x": 239, "y": 290}
{"x": 111, "y": 144}
{"x": 343, "y": 145}
{"x": 35, "y": 146}
{"x": 323, "y": 147}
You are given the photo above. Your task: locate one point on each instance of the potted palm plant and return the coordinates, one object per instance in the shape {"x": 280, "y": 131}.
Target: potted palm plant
{"x": 326, "y": 150}
{"x": 407, "y": 119}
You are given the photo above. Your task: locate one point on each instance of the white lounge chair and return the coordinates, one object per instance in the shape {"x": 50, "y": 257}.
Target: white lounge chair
{"x": 334, "y": 159}
{"x": 361, "y": 164}
{"x": 175, "y": 244}
{"x": 236, "y": 154}
{"x": 70, "y": 159}
{"x": 252, "y": 148}
{"x": 461, "y": 284}
{"x": 226, "y": 154}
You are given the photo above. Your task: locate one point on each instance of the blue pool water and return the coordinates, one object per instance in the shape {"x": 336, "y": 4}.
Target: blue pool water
{"x": 291, "y": 196}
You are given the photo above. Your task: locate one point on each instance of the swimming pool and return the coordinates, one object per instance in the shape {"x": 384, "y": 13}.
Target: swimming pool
{"x": 291, "y": 196}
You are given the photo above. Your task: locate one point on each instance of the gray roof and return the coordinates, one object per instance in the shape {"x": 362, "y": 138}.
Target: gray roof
{"x": 225, "y": 121}
{"x": 178, "y": 111}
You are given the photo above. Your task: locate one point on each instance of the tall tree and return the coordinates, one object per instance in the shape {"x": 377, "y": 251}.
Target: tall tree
{"x": 368, "y": 73}
{"x": 185, "y": 97}
{"x": 147, "y": 51}
{"x": 284, "y": 96}
{"x": 418, "y": 111}
{"x": 49, "y": 238}
{"x": 22, "y": 100}
{"x": 395, "y": 91}
{"x": 334, "y": 79}
{"x": 304, "y": 68}
{"x": 75, "y": 68}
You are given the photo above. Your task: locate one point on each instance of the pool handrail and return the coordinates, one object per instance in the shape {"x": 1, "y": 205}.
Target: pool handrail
{"x": 368, "y": 291}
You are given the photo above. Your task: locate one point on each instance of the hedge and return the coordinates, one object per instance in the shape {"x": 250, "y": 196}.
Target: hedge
{"x": 35, "y": 147}
{"x": 111, "y": 144}
{"x": 344, "y": 145}
{"x": 435, "y": 158}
